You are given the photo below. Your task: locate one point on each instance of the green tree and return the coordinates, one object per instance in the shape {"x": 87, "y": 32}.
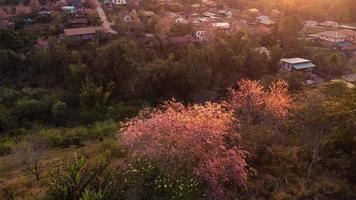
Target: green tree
{"x": 117, "y": 62}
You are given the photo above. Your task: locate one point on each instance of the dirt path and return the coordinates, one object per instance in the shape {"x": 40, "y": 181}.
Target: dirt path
{"x": 106, "y": 24}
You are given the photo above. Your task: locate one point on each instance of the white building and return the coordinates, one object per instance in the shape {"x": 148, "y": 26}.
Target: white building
{"x": 119, "y": 2}
{"x": 296, "y": 64}
{"x": 200, "y": 35}
{"x": 222, "y": 25}
{"x": 331, "y": 36}
{"x": 331, "y": 24}
{"x": 310, "y": 23}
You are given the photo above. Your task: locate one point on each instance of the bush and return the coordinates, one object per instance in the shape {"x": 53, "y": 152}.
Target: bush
{"x": 114, "y": 148}
{"x": 59, "y": 111}
{"x": 6, "y": 145}
{"x": 5, "y": 119}
{"x": 102, "y": 129}
{"x": 64, "y": 137}
{"x": 77, "y": 182}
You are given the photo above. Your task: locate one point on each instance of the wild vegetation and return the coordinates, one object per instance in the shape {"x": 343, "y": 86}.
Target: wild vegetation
{"x": 110, "y": 119}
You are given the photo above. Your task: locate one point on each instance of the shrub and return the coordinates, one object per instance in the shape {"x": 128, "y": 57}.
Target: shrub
{"x": 114, "y": 148}
{"x": 6, "y": 145}
{"x": 64, "y": 137}
{"x": 77, "y": 182}
{"x": 102, "y": 129}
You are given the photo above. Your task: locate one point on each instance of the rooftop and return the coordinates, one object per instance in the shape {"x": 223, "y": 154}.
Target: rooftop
{"x": 350, "y": 78}
{"x": 294, "y": 60}
{"x": 333, "y": 34}
{"x": 347, "y": 32}
{"x": 81, "y": 31}
{"x": 303, "y": 65}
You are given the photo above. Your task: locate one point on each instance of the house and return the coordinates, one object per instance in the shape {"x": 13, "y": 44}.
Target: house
{"x": 347, "y": 27}
{"x": 296, "y": 64}
{"x": 81, "y": 34}
{"x": 195, "y": 6}
{"x": 209, "y": 3}
{"x": 222, "y": 25}
{"x": 23, "y": 10}
{"x": 181, "y": 20}
{"x": 29, "y": 21}
{"x": 44, "y": 12}
{"x": 349, "y": 50}
{"x": 200, "y": 35}
{"x": 225, "y": 13}
{"x": 351, "y": 35}
{"x": 329, "y": 24}
{"x": 350, "y": 78}
{"x": 265, "y": 20}
{"x": 68, "y": 9}
{"x": 108, "y": 4}
{"x": 347, "y": 47}
{"x": 310, "y": 23}
{"x": 78, "y": 22}
{"x": 148, "y": 14}
{"x": 119, "y": 2}
{"x": 209, "y": 14}
{"x": 253, "y": 11}
{"x": 331, "y": 36}
{"x": 262, "y": 17}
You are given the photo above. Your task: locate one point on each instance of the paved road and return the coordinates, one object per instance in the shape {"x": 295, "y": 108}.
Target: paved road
{"x": 106, "y": 24}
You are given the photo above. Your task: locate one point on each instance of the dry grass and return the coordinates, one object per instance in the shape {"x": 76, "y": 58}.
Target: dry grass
{"x": 17, "y": 181}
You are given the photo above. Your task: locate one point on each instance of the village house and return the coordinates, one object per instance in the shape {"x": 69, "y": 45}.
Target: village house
{"x": 329, "y": 24}
{"x": 347, "y": 47}
{"x": 330, "y": 36}
{"x": 81, "y": 34}
{"x": 44, "y": 12}
{"x": 350, "y": 34}
{"x": 78, "y": 22}
{"x": 310, "y": 23}
{"x": 296, "y": 64}
{"x": 68, "y": 9}
{"x": 265, "y": 20}
{"x": 225, "y": 26}
{"x": 119, "y": 2}
{"x": 22, "y": 10}
{"x": 351, "y": 78}
{"x": 209, "y": 3}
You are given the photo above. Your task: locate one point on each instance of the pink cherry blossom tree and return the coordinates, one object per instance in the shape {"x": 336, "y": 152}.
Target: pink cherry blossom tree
{"x": 190, "y": 141}
{"x": 253, "y": 103}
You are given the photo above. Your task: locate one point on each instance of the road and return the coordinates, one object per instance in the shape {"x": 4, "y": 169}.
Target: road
{"x": 106, "y": 24}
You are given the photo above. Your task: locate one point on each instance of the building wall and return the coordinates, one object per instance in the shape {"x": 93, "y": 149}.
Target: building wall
{"x": 331, "y": 39}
